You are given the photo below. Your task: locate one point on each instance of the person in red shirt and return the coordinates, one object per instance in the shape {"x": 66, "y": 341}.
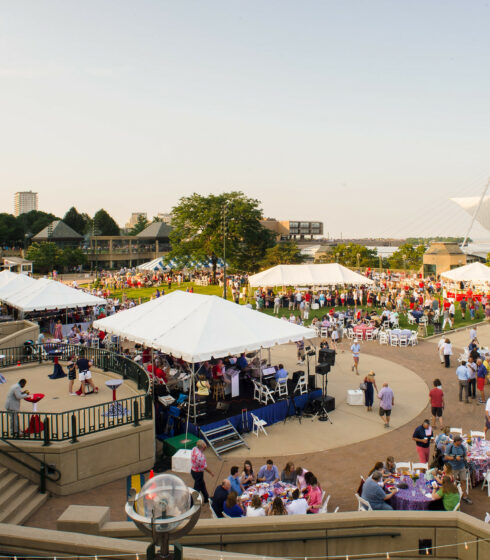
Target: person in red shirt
{"x": 436, "y": 396}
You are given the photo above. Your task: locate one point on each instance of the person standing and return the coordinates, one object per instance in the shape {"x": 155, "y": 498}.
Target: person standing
{"x": 456, "y": 457}
{"x": 12, "y": 404}
{"x": 472, "y": 368}
{"x": 422, "y": 436}
{"x": 462, "y": 374}
{"x": 198, "y": 466}
{"x": 370, "y": 384}
{"x": 436, "y": 396}
{"x": 387, "y": 401}
{"x": 448, "y": 352}
{"x": 356, "y": 352}
{"x": 481, "y": 375}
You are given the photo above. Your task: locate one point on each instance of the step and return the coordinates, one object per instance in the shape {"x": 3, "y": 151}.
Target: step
{"x": 3, "y": 471}
{"x": 11, "y": 492}
{"x": 24, "y": 505}
{"x": 7, "y": 480}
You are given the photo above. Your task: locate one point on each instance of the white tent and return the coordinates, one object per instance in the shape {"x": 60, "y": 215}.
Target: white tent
{"x": 14, "y": 283}
{"x": 48, "y": 294}
{"x": 196, "y": 327}
{"x": 476, "y": 273}
{"x": 155, "y": 264}
{"x": 6, "y": 276}
{"x": 308, "y": 275}
{"x": 470, "y": 204}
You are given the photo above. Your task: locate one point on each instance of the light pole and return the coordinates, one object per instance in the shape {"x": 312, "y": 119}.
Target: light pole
{"x": 358, "y": 259}
{"x": 225, "y": 207}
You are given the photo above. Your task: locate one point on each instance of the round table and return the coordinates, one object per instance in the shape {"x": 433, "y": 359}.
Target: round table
{"x": 415, "y": 497}
{"x": 363, "y": 329}
{"x": 35, "y": 424}
{"x": 478, "y": 455}
{"x": 114, "y": 384}
{"x": 267, "y": 492}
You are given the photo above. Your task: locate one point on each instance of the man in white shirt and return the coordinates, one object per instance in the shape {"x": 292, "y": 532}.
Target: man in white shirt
{"x": 356, "y": 351}
{"x": 473, "y": 337}
{"x": 299, "y": 506}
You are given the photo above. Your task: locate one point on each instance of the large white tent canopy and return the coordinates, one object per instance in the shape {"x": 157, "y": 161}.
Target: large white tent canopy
{"x": 6, "y": 276}
{"x": 476, "y": 273}
{"x": 196, "y": 327}
{"x": 155, "y": 264}
{"x": 308, "y": 275}
{"x": 13, "y": 283}
{"x": 43, "y": 294}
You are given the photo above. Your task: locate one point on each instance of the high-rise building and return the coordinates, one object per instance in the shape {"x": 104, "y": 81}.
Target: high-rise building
{"x": 134, "y": 219}
{"x": 164, "y": 217}
{"x": 24, "y": 202}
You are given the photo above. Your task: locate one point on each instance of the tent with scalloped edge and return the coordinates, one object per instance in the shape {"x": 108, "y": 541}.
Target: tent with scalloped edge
{"x": 196, "y": 327}
{"x": 476, "y": 273}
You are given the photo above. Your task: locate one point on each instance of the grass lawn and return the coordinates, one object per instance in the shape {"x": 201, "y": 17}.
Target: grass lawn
{"x": 146, "y": 294}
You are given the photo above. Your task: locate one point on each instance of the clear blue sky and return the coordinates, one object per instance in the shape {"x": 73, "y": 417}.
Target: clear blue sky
{"x": 367, "y": 115}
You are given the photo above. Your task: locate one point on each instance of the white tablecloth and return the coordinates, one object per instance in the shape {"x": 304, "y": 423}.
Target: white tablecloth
{"x": 181, "y": 461}
{"x": 355, "y": 397}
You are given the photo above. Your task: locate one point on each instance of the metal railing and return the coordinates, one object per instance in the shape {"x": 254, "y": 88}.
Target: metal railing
{"x": 101, "y": 358}
{"x": 72, "y": 424}
{"x": 44, "y": 470}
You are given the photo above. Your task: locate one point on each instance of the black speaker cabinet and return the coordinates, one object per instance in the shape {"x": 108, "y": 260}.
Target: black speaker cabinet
{"x": 322, "y": 368}
{"x": 326, "y": 356}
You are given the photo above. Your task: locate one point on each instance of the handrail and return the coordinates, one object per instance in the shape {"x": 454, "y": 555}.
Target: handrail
{"x": 45, "y": 470}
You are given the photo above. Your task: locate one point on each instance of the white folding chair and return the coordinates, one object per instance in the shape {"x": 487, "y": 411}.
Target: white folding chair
{"x": 213, "y": 513}
{"x": 457, "y": 506}
{"x": 358, "y": 336}
{"x": 456, "y": 431}
{"x": 336, "y": 509}
{"x": 393, "y": 340}
{"x": 369, "y": 335}
{"x": 411, "y": 319}
{"x": 383, "y": 338}
{"x": 258, "y": 425}
{"x": 301, "y": 385}
{"x": 420, "y": 466}
{"x": 486, "y": 481}
{"x": 474, "y": 433}
{"x": 460, "y": 490}
{"x": 362, "y": 504}
{"x": 324, "y": 508}
{"x": 350, "y": 334}
{"x": 324, "y": 332}
{"x": 403, "y": 340}
{"x": 257, "y": 391}
{"x": 266, "y": 394}
{"x": 281, "y": 389}
{"x": 405, "y": 466}
{"x": 487, "y": 518}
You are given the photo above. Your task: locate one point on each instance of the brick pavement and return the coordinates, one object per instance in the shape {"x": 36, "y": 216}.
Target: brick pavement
{"x": 339, "y": 469}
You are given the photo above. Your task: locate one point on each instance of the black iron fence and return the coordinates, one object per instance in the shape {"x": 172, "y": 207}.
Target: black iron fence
{"x": 72, "y": 424}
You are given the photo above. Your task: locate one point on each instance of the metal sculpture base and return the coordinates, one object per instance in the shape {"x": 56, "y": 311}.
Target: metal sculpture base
{"x": 116, "y": 410}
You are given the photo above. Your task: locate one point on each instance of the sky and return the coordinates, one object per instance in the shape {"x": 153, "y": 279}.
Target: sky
{"x": 366, "y": 115}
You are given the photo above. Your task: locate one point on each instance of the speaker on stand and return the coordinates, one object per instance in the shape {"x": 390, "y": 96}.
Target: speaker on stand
{"x": 323, "y": 369}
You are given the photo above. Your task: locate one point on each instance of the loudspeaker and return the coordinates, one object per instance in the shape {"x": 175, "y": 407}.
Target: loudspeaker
{"x": 322, "y": 368}
{"x": 328, "y": 401}
{"x": 297, "y": 375}
{"x": 326, "y": 356}
{"x": 311, "y": 382}
{"x": 222, "y": 406}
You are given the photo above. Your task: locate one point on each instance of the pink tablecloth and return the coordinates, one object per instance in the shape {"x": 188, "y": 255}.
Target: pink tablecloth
{"x": 363, "y": 329}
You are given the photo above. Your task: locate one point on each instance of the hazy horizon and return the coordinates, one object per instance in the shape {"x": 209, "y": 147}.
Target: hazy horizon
{"x": 367, "y": 116}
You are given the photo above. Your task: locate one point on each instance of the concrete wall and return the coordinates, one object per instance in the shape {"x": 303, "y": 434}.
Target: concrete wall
{"x": 15, "y": 333}
{"x": 96, "y": 459}
{"x": 300, "y": 536}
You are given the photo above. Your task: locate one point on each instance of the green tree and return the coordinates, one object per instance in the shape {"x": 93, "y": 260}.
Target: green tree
{"x": 46, "y": 257}
{"x": 34, "y": 221}
{"x": 201, "y": 224}
{"x": 140, "y": 225}
{"x": 354, "y": 255}
{"x": 11, "y": 231}
{"x": 74, "y": 257}
{"x": 76, "y": 221}
{"x": 407, "y": 256}
{"x": 103, "y": 224}
{"x": 282, "y": 253}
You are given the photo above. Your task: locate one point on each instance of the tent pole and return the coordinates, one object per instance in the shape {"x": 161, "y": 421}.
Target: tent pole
{"x": 260, "y": 364}
{"x": 193, "y": 373}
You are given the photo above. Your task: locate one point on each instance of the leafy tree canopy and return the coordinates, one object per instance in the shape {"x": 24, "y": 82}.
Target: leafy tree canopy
{"x": 354, "y": 255}
{"x": 34, "y": 221}
{"x": 103, "y": 224}
{"x": 201, "y": 223}
{"x": 282, "y": 253}
{"x": 11, "y": 231}
{"x": 76, "y": 221}
{"x": 140, "y": 225}
{"x": 407, "y": 256}
{"x": 45, "y": 256}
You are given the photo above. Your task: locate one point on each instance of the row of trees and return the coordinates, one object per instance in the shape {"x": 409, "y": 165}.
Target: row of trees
{"x": 48, "y": 256}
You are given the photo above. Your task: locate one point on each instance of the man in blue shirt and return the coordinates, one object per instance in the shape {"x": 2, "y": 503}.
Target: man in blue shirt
{"x": 456, "y": 456}
{"x": 481, "y": 375}
{"x": 374, "y": 493}
{"x": 242, "y": 362}
{"x": 281, "y": 376}
{"x": 234, "y": 479}
{"x": 462, "y": 374}
{"x": 219, "y": 497}
{"x": 268, "y": 473}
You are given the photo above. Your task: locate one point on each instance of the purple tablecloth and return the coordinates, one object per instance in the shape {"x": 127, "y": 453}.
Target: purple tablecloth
{"x": 412, "y": 498}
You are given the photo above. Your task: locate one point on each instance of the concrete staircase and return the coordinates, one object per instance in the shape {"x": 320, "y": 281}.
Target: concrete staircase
{"x": 19, "y": 497}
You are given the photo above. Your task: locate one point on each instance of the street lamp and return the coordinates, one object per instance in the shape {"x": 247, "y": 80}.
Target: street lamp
{"x": 358, "y": 259}
{"x": 225, "y": 207}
